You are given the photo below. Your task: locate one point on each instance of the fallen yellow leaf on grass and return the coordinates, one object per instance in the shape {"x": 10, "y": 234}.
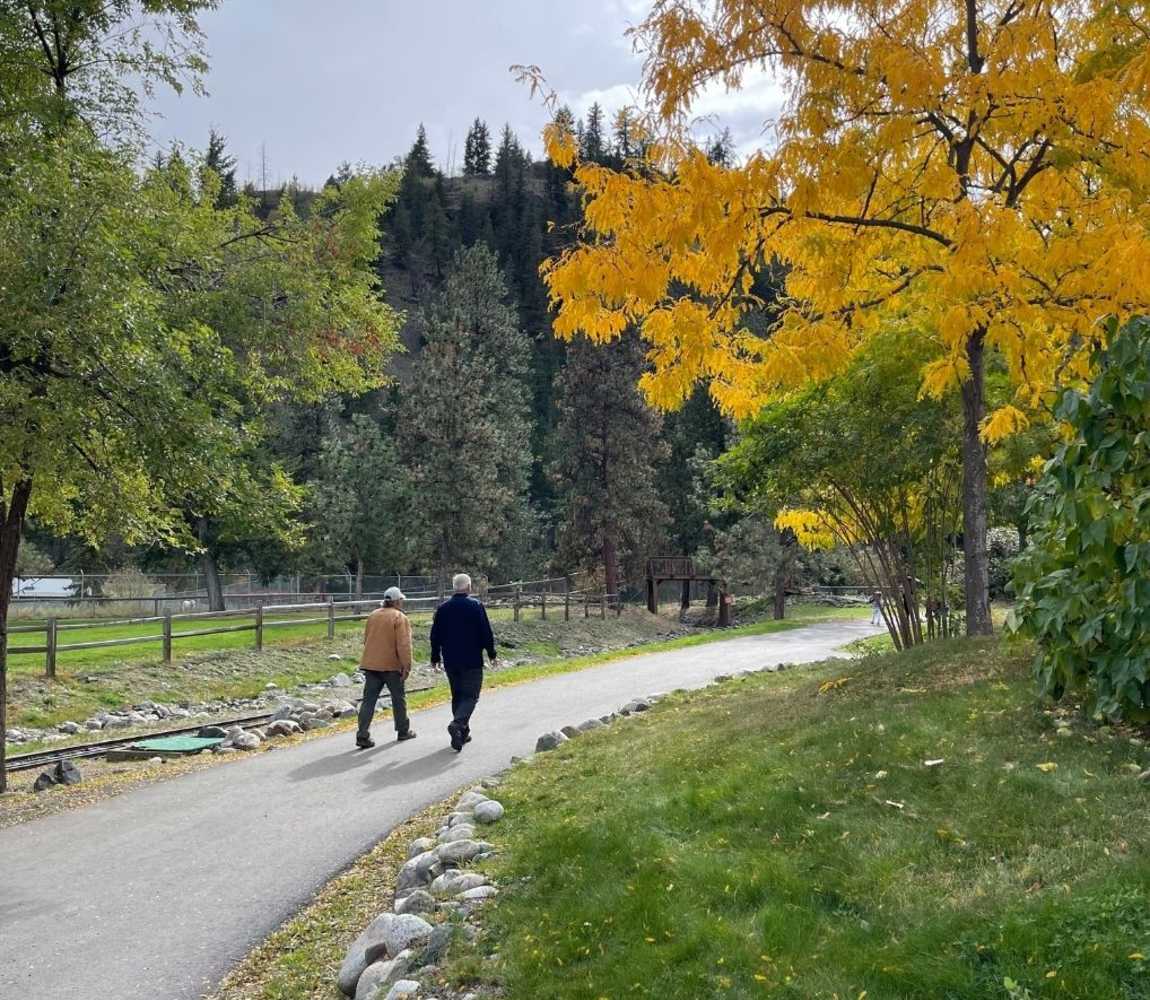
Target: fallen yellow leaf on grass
{"x": 1047, "y": 767}
{"x": 1137, "y": 956}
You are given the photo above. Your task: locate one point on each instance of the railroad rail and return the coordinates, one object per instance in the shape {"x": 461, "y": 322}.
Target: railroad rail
{"x": 98, "y": 748}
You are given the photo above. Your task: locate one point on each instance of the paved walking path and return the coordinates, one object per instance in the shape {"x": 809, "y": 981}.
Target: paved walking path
{"x": 155, "y": 894}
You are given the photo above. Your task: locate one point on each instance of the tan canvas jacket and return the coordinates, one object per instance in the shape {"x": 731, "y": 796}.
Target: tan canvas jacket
{"x": 387, "y": 641}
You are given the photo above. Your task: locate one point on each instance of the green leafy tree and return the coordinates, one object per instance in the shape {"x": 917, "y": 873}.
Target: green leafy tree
{"x": 861, "y": 462}
{"x": 1083, "y": 585}
{"x": 610, "y": 513}
{"x": 477, "y": 150}
{"x": 464, "y": 421}
{"x": 361, "y": 499}
{"x": 142, "y": 328}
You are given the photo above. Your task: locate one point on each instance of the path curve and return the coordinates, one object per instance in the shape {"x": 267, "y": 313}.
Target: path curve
{"x": 156, "y": 893}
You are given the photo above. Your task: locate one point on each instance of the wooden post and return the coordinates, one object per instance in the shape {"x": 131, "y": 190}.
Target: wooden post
{"x": 156, "y": 607}
{"x": 652, "y": 596}
{"x": 603, "y": 606}
{"x": 260, "y": 625}
{"x": 586, "y": 606}
{"x": 618, "y": 605}
{"x": 724, "y": 609}
{"x": 167, "y": 637}
{"x": 685, "y": 603}
{"x": 566, "y": 601}
{"x": 515, "y": 604}
{"x": 331, "y": 617}
{"x": 543, "y": 604}
{"x": 50, "y": 651}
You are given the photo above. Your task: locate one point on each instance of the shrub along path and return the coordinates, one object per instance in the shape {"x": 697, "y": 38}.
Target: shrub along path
{"x": 921, "y": 830}
{"x": 157, "y": 892}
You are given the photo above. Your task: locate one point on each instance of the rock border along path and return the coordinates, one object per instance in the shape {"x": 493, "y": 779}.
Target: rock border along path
{"x": 158, "y": 892}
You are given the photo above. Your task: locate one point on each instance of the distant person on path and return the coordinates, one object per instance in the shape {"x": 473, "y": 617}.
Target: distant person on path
{"x": 876, "y": 608}
{"x": 460, "y": 635}
{"x": 386, "y": 660}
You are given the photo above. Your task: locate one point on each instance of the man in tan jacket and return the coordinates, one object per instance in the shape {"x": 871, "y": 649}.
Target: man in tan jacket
{"x": 386, "y": 660}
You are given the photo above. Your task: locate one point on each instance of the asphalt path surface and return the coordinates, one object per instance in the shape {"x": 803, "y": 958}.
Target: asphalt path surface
{"x": 156, "y": 893}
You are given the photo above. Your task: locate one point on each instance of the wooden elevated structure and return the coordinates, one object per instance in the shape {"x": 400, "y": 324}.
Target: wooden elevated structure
{"x": 665, "y": 569}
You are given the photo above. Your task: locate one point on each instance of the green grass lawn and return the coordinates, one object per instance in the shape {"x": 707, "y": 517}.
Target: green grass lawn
{"x": 784, "y": 837}
{"x": 226, "y": 666}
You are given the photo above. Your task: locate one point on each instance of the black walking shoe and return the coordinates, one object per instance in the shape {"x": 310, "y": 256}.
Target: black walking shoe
{"x": 457, "y": 739}
{"x": 364, "y": 742}
{"x": 409, "y": 735}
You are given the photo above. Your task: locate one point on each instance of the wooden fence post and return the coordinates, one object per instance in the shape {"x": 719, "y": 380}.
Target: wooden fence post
{"x": 260, "y": 625}
{"x": 586, "y": 606}
{"x": 156, "y": 607}
{"x": 50, "y": 653}
{"x": 331, "y": 617}
{"x": 543, "y": 604}
{"x": 603, "y": 606}
{"x": 566, "y": 603}
{"x": 618, "y": 606}
{"x": 515, "y": 605}
{"x": 167, "y": 637}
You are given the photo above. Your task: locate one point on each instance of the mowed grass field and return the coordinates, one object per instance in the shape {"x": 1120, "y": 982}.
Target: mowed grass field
{"x": 906, "y": 827}
{"x": 227, "y": 666}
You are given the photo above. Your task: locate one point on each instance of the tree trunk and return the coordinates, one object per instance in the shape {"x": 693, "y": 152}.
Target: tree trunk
{"x": 11, "y": 531}
{"x": 359, "y": 577}
{"x": 610, "y": 566}
{"x": 974, "y": 490}
{"x": 208, "y": 564}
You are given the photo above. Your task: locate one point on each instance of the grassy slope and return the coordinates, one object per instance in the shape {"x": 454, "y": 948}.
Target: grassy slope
{"x": 766, "y": 840}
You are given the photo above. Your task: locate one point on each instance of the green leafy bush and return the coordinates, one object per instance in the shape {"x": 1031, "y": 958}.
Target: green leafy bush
{"x": 1083, "y": 585}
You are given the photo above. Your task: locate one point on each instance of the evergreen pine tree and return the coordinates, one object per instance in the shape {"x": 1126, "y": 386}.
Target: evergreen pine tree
{"x": 218, "y": 160}
{"x": 625, "y": 146}
{"x": 477, "y": 151}
{"x": 722, "y": 150}
{"x": 418, "y": 160}
{"x": 359, "y": 492}
{"x": 593, "y": 147}
{"x": 608, "y": 443}
{"x": 465, "y": 423}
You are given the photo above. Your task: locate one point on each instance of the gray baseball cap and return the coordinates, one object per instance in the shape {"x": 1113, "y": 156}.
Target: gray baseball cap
{"x": 393, "y": 594}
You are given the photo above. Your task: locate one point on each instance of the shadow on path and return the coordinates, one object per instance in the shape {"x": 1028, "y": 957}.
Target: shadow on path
{"x": 427, "y": 766}
{"x": 339, "y": 763}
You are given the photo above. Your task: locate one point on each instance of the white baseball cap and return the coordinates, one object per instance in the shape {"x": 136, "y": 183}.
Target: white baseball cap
{"x": 393, "y": 594}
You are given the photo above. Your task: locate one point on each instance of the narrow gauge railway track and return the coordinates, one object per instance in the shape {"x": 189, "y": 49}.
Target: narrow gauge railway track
{"x": 46, "y": 758}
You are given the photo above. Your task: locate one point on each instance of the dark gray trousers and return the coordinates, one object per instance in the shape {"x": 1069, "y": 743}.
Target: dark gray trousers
{"x": 465, "y": 688}
{"x": 373, "y": 682}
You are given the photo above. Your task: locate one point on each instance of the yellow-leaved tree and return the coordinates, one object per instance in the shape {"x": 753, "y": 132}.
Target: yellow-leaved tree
{"x": 976, "y": 169}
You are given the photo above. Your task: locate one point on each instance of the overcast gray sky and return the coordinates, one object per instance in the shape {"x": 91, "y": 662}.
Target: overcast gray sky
{"x": 319, "y": 83}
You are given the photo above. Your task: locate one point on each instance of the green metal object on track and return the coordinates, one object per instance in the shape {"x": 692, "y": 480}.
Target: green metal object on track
{"x": 177, "y": 744}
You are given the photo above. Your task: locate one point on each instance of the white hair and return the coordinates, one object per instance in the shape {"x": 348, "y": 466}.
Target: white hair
{"x": 461, "y": 583}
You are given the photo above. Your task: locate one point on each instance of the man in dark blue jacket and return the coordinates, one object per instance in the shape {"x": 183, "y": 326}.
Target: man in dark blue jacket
{"x": 460, "y": 635}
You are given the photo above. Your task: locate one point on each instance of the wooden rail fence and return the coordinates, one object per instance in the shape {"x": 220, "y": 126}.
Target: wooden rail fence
{"x": 517, "y": 597}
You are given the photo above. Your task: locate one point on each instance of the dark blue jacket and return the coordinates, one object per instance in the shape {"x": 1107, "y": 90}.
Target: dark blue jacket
{"x": 460, "y": 633}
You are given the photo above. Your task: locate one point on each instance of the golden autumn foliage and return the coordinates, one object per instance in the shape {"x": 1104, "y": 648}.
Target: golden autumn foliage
{"x": 978, "y": 170}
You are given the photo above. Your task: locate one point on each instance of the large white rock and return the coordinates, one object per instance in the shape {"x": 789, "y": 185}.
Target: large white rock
{"x": 479, "y": 893}
{"x": 418, "y": 871}
{"x": 460, "y": 832}
{"x": 469, "y": 799}
{"x": 549, "y": 741}
{"x": 356, "y": 960}
{"x": 417, "y": 901}
{"x": 489, "y": 812}
{"x": 458, "y": 851}
{"x": 454, "y": 882}
{"x": 405, "y": 931}
{"x": 420, "y": 846}
{"x": 379, "y": 977}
